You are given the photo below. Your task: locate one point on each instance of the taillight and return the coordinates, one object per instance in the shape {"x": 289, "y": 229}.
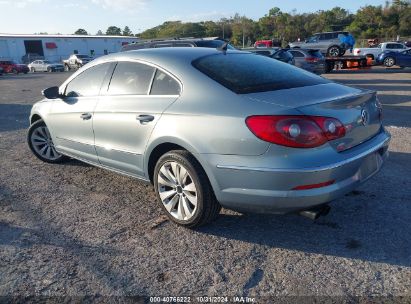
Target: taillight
{"x": 296, "y": 131}
{"x": 312, "y": 59}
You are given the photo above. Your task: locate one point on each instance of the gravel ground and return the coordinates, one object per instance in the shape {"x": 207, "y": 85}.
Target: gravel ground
{"x": 77, "y": 230}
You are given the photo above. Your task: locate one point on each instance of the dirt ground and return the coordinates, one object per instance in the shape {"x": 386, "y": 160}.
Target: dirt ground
{"x": 76, "y": 230}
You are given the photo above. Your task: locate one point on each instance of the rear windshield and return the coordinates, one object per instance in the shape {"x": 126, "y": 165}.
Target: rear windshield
{"x": 213, "y": 44}
{"x": 315, "y": 53}
{"x": 251, "y": 73}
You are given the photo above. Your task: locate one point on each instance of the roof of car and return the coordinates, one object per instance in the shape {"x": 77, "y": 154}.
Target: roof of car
{"x": 170, "y": 57}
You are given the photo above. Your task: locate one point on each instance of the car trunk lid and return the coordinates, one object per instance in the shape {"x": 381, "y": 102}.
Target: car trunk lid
{"x": 358, "y": 110}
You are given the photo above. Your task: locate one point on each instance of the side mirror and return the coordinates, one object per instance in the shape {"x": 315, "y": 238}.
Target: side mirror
{"x": 51, "y": 93}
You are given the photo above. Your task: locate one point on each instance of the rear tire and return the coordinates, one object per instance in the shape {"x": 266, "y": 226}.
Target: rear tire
{"x": 183, "y": 190}
{"x": 33, "y": 70}
{"x": 41, "y": 143}
{"x": 49, "y": 70}
{"x": 66, "y": 68}
{"x": 334, "y": 51}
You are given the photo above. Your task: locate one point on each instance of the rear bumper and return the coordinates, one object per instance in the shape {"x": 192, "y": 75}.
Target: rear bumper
{"x": 269, "y": 190}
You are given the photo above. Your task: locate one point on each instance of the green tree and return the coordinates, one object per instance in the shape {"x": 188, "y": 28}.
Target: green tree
{"x": 127, "y": 31}
{"x": 113, "y": 31}
{"x": 80, "y": 31}
{"x": 99, "y": 33}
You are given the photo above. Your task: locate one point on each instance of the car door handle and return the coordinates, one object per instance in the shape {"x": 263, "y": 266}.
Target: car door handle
{"x": 85, "y": 116}
{"x": 145, "y": 118}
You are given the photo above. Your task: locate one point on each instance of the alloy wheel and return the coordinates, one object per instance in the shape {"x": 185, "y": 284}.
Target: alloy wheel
{"x": 389, "y": 62}
{"x": 43, "y": 145}
{"x": 177, "y": 190}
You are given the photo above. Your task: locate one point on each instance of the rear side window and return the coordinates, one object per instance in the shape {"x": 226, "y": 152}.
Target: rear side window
{"x": 131, "y": 78}
{"x": 89, "y": 82}
{"x": 248, "y": 73}
{"x": 164, "y": 84}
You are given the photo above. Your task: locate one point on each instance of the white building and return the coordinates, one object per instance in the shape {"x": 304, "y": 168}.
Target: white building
{"x": 22, "y": 48}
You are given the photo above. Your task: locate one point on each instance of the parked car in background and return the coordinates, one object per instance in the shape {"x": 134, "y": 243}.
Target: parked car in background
{"x": 210, "y": 42}
{"x": 309, "y": 60}
{"x": 212, "y": 128}
{"x": 382, "y": 47}
{"x": 390, "y": 58}
{"x": 76, "y": 61}
{"x": 45, "y": 66}
{"x": 10, "y": 66}
{"x": 1, "y": 71}
{"x": 327, "y": 43}
{"x": 276, "y": 53}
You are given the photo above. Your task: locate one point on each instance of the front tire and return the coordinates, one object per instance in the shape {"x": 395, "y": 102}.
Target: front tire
{"x": 183, "y": 190}
{"x": 389, "y": 62}
{"x": 41, "y": 143}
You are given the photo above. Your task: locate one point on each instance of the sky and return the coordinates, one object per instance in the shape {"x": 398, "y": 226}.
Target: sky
{"x": 66, "y": 16}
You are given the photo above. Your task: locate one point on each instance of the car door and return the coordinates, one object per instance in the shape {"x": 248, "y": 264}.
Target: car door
{"x": 71, "y": 118}
{"x": 404, "y": 59}
{"x": 124, "y": 118}
{"x": 39, "y": 65}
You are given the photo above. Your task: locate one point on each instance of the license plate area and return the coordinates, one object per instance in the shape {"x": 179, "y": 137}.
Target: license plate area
{"x": 371, "y": 164}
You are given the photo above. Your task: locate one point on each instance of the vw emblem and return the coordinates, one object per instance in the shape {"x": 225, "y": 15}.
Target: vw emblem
{"x": 364, "y": 117}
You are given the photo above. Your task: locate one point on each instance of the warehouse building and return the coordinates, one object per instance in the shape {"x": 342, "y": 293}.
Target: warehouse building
{"x": 26, "y": 48}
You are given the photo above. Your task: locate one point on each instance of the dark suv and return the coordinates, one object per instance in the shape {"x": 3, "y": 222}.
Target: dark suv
{"x": 176, "y": 42}
{"x": 328, "y": 43}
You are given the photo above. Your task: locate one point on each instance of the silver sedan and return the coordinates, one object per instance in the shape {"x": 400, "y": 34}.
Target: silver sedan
{"x": 211, "y": 128}
{"x": 45, "y": 66}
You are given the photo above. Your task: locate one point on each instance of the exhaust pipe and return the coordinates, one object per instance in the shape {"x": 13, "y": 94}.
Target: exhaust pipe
{"x": 316, "y": 212}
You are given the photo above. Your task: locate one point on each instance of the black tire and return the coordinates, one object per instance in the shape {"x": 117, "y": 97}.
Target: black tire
{"x": 342, "y": 52}
{"x": 389, "y": 61}
{"x": 14, "y": 71}
{"x": 34, "y": 126}
{"x": 207, "y": 208}
{"x": 66, "y": 68}
{"x": 49, "y": 70}
{"x": 33, "y": 70}
{"x": 334, "y": 51}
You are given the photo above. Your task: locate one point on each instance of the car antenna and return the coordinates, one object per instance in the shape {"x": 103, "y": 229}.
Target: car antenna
{"x": 223, "y": 48}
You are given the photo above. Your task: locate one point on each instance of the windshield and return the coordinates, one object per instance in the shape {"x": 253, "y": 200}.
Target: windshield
{"x": 251, "y": 73}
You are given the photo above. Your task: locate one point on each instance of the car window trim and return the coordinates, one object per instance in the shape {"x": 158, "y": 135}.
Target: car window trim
{"x": 101, "y": 85}
{"x": 156, "y": 67}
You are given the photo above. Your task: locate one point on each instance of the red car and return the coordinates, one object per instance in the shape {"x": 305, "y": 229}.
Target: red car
{"x": 12, "y": 67}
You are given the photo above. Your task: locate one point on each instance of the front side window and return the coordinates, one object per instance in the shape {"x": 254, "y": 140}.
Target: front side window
{"x": 164, "y": 84}
{"x": 89, "y": 82}
{"x": 131, "y": 78}
{"x": 246, "y": 73}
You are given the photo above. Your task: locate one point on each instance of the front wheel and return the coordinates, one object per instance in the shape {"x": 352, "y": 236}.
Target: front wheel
{"x": 389, "y": 62}
{"x": 41, "y": 143}
{"x": 183, "y": 190}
